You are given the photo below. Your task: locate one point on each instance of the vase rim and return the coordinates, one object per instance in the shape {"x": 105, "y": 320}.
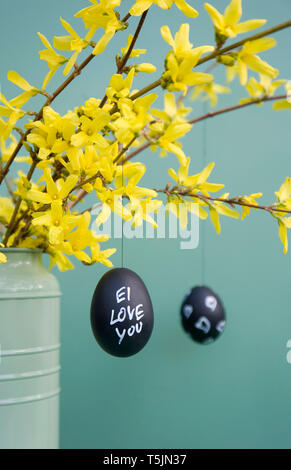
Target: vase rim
{"x": 20, "y": 250}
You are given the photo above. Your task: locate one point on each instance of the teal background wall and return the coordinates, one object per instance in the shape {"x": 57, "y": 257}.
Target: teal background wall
{"x": 176, "y": 394}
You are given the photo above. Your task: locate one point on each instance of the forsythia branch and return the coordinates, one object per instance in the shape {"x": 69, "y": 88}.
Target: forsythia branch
{"x": 238, "y": 106}
{"x": 183, "y": 192}
{"x": 218, "y": 52}
{"x": 76, "y": 72}
{"x": 17, "y": 205}
{"x": 210, "y": 115}
{"x": 48, "y": 102}
{"x": 89, "y": 149}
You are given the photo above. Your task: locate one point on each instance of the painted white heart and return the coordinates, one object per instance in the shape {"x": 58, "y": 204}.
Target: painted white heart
{"x": 211, "y": 302}
{"x": 220, "y": 326}
{"x": 187, "y": 310}
{"x": 203, "y": 324}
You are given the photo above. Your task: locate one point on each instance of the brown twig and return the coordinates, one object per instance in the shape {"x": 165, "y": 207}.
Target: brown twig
{"x": 79, "y": 197}
{"x": 89, "y": 209}
{"x": 237, "y": 106}
{"x": 124, "y": 60}
{"x": 22, "y": 217}
{"x": 9, "y": 188}
{"x": 87, "y": 181}
{"x": 136, "y": 152}
{"x": 22, "y": 232}
{"x": 132, "y": 44}
{"x": 230, "y": 201}
{"x": 122, "y": 152}
{"x": 126, "y": 17}
{"x": 82, "y": 191}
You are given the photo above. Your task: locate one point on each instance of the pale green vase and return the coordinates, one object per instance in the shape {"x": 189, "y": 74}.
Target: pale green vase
{"x": 29, "y": 352}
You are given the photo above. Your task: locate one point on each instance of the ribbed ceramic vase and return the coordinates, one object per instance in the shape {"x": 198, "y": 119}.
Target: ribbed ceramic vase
{"x": 29, "y": 352}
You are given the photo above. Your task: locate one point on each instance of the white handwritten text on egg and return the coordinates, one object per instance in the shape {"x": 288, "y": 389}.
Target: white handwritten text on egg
{"x": 123, "y": 295}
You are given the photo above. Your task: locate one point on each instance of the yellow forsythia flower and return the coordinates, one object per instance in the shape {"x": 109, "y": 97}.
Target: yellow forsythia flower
{"x": 6, "y": 210}
{"x": 145, "y": 68}
{"x": 251, "y": 199}
{"x": 73, "y": 42}
{"x": 265, "y": 87}
{"x": 211, "y": 90}
{"x": 3, "y": 258}
{"x": 119, "y": 87}
{"x": 101, "y": 15}
{"x": 227, "y": 25}
{"x": 284, "y": 104}
{"x": 53, "y": 59}
{"x": 142, "y": 5}
{"x": 134, "y": 52}
{"x": 247, "y": 58}
{"x": 54, "y": 191}
{"x": 181, "y": 60}
{"x": 216, "y": 208}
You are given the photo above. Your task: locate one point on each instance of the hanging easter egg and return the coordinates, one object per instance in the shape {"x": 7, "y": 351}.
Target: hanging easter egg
{"x": 121, "y": 313}
{"x": 203, "y": 315}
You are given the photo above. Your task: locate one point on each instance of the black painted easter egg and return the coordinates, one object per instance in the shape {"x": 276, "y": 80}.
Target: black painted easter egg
{"x": 203, "y": 314}
{"x": 122, "y": 315}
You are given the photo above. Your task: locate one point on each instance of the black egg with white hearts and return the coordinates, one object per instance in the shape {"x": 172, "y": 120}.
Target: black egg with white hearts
{"x": 121, "y": 313}
{"x": 203, "y": 315}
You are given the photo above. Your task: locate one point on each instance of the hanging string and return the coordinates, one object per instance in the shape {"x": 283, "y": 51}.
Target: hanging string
{"x": 122, "y": 226}
{"x": 202, "y": 224}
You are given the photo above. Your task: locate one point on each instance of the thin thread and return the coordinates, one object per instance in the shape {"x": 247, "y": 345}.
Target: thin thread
{"x": 203, "y": 236}
{"x": 122, "y": 227}
{"x": 122, "y": 248}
